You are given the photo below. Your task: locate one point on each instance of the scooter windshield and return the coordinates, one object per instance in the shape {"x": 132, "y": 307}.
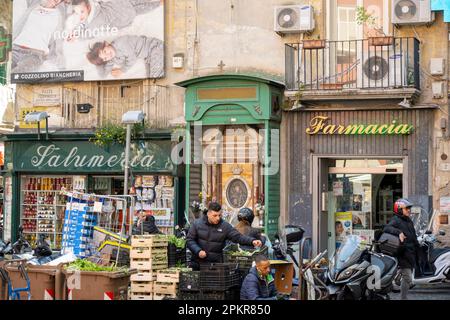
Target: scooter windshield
{"x": 347, "y": 254}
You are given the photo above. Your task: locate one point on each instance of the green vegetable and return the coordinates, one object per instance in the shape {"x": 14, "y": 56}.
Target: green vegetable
{"x": 178, "y": 242}
{"x": 86, "y": 265}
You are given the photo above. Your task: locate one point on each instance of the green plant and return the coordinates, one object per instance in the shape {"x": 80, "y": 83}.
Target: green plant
{"x": 178, "y": 242}
{"x": 86, "y": 265}
{"x": 364, "y": 17}
{"x": 115, "y": 133}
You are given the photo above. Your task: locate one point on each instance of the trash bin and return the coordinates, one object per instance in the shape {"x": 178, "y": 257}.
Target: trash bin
{"x": 42, "y": 281}
{"x": 98, "y": 285}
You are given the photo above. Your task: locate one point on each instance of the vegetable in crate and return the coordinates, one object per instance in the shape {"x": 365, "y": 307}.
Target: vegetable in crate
{"x": 178, "y": 242}
{"x": 86, "y": 265}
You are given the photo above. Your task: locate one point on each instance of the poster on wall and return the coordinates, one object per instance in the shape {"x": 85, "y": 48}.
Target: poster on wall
{"x": 55, "y": 118}
{"x": 366, "y": 235}
{"x": 444, "y": 205}
{"x": 87, "y": 40}
{"x": 343, "y": 225}
{"x": 47, "y": 96}
{"x": 338, "y": 188}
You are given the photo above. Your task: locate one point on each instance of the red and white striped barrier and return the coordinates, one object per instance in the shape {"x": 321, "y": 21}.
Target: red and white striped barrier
{"x": 49, "y": 294}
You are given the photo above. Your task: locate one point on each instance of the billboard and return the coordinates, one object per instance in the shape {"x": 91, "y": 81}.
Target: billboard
{"x": 87, "y": 40}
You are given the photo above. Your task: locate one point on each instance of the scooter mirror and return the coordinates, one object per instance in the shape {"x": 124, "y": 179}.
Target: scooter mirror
{"x": 441, "y": 232}
{"x": 428, "y": 232}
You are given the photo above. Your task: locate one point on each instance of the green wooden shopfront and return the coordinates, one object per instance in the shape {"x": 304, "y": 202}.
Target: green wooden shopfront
{"x": 232, "y": 142}
{"x": 36, "y": 170}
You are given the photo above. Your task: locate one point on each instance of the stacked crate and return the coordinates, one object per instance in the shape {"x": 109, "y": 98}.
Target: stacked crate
{"x": 148, "y": 255}
{"x": 166, "y": 285}
{"x": 78, "y": 228}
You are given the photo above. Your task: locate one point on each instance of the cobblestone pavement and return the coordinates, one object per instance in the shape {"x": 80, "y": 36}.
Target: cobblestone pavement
{"x": 435, "y": 292}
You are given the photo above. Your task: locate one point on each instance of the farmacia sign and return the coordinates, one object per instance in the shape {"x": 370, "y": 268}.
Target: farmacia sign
{"x": 321, "y": 125}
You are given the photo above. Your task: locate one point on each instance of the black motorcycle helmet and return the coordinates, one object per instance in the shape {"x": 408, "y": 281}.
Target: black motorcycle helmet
{"x": 246, "y": 214}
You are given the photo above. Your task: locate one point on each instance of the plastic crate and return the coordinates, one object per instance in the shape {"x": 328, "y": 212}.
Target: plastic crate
{"x": 244, "y": 261}
{"x": 220, "y": 295}
{"x": 219, "y": 276}
{"x": 176, "y": 255}
{"x": 189, "y": 281}
{"x": 189, "y": 295}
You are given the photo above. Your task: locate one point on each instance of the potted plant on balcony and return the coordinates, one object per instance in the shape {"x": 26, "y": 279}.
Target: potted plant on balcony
{"x": 314, "y": 44}
{"x": 375, "y": 32}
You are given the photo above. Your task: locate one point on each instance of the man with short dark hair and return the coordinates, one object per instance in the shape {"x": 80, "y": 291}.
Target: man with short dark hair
{"x": 259, "y": 284}
{"x": 207, "y": 237}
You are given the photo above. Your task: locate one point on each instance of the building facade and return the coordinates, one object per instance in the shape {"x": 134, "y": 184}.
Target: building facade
{"x": 360, "y": 122}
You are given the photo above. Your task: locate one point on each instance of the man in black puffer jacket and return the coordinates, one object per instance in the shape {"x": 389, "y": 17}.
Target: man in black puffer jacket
{"x": 207, "y": 237}
{"x": 403, "y": 227}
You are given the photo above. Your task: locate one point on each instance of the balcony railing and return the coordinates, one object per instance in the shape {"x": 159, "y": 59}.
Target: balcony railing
{"x": 353, "y": 64}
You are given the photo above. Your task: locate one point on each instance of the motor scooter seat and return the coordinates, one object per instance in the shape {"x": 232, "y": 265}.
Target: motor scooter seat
{"x": 437, "y": 252}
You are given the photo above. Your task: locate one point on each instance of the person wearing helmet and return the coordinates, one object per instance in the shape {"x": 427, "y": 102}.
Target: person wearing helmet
{"x": 244, "y": 226}
{"x": 402, "y": 226}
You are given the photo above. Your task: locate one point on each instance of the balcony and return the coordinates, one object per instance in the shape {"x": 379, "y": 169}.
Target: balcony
{"x": 380, "y": 68}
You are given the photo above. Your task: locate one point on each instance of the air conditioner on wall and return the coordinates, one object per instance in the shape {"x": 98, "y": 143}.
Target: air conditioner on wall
{"x": 294, "y": 19}
{"x": 408, "y": 12}
{"x": 382, "y": 69}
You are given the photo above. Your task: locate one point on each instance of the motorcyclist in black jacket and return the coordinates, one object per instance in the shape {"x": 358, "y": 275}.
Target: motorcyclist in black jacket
{"x": 244, "y": 226}
{"x": 402, "y": 226}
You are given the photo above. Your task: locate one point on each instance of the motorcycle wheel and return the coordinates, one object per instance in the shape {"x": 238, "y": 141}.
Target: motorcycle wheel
{"x": 344, "y": 295}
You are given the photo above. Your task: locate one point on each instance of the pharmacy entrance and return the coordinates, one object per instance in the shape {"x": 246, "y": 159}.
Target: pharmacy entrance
{"x": 360, "y": 197}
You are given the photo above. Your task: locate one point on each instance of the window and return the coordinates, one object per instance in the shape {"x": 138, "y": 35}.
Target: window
{"x": 347, "y": 26}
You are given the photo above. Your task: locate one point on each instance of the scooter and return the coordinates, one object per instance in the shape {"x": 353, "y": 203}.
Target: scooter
{"x": 433, "y": 265}
{"x": 358, "y": 272}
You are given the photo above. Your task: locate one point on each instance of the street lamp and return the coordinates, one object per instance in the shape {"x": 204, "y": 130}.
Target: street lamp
{"x": 37, "y": 117}
{"x": 129, "y": 118}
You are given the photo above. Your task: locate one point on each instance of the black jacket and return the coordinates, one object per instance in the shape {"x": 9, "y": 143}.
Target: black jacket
{"x": 212, "y": 239}
{"x": 148, "y": 226}
{"x": 247, "y": 230}
{"x": 407, "y": 253}
{"x": 255, "y": 288}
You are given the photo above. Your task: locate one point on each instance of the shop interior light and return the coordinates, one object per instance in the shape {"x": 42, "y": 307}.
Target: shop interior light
{"x": 37, "y": 117}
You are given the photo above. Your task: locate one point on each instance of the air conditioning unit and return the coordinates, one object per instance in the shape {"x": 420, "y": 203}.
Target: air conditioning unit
{"x": 294, "y": 19}
{"x": 382, "y": 70}
{"x": 407, "y": 12}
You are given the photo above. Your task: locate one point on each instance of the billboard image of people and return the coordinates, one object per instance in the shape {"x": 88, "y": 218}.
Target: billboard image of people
{"x": 87, "y": 40}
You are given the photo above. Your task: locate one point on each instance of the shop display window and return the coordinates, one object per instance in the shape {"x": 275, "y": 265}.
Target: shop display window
{"x": 42, "y": 206}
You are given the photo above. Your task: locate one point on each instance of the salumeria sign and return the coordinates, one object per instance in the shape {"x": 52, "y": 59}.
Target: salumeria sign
{"x": 85, "y": 156}
{"x": 45, "y": 156}
{"x": 320, "y": 125}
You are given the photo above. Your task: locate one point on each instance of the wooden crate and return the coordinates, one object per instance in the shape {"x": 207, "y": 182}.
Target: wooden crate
{"x": 148, "y": 253}
{"x": 165, "y": 288}
{"x": 141, "y": 296}
{"x": 147, "y": 265}
{"x": 149, "y": 241}
{"x": 160, "y": 296}
{"x": 168, "y": 276}
{"x": 143, "y": 276}
{"x": 141, "y": 286}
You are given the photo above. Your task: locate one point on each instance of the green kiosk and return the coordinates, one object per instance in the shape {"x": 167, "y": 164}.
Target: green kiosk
{"x": 232, "y": 144}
